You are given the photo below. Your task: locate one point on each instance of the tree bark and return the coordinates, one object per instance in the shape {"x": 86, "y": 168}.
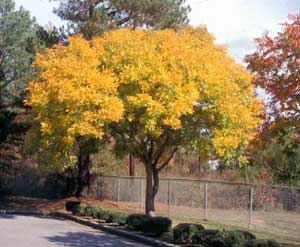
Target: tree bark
{"x": 152, "y": 184}
{"x": 83, "y": 179}
{"x": 149, "y": 190}
{"x": 153, "y": 165}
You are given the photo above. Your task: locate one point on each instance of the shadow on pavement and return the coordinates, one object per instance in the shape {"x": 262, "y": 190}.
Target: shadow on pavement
{"x": 7, "y": 216}
{"x": 81, "y": 239}
{"x": 43, "y": 217}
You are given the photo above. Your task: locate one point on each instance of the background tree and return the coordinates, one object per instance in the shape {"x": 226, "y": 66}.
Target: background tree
{"x": 93, "y": 17}
{"x": 72, "y": 101}
{"x": 178, "y": 89}
{"x": 17, "y": 44}
{"x": 276, "y": 65}
{"x": 20, "y": 38}
{"x": 283, "y": 158}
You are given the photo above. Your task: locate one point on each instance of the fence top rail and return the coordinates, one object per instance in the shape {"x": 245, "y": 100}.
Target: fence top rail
{"x": 201, "y": 180}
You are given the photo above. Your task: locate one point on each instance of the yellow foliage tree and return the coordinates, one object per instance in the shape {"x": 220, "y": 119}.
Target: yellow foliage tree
{"x": 154, "y": 91}
{"x": 178, "y": 89}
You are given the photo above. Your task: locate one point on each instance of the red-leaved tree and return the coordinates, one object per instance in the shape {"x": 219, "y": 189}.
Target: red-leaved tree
{"x": 276, "y": 68}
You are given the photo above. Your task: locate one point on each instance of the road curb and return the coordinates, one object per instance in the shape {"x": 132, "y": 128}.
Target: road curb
{"x": 122, "y": 233}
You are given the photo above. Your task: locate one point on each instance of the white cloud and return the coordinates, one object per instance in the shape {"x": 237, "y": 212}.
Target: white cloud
{"x": 41, "y": 10}
{"x": 237, "y": 23}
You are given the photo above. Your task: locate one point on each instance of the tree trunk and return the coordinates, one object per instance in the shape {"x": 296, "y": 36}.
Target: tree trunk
{"x": 83, "y": 179}
{"x": 131, "y": 165}
{"x": 152, "y": 184}
{"x": 149, "y": 190}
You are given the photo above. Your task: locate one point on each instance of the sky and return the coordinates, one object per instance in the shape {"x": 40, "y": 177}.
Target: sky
{"x": 234, "y": 23}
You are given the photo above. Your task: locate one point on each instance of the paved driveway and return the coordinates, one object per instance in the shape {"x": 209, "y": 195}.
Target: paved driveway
{"x": 29, "y": 231}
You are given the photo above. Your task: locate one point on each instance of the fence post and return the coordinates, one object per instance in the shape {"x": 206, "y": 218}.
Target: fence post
{"x": 206, "y": 199}
{"x": 169, "y": 195}
{"x": 141, "y": 195}
{"x": 250, "y": 206}
{"x": 118, "y": 198}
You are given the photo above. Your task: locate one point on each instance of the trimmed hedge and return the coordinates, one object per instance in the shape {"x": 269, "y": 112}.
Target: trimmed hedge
{"x": 79, "y": 210}
{"x": 215, "y": 238}
{"x": 136, "y": 221}
{"x": 117, "y": 217}
{"x": 185, "y": 232}
{"x": 196, "y": 235}
{"x": 155, "y": 226}
{"x": 262, "y": 243}
{"x": 102, "y": 214}
{"x": 243, "y": 235}
{"x": 107, "y": 216}
{"x": 70, "y": 204}
{"x": 89, "y": 211}
{"x": 92, "y": 211}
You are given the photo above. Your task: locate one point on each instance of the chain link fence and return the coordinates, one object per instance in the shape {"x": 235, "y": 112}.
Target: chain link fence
{"x": 266, "y": 208}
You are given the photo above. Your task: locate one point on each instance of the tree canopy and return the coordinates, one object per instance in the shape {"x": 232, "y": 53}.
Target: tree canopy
{"x": 71, "y": 99}
{"x": 152, "y": 91}
{"x": 179, "y": 85}
{"x": 93, "y": 17}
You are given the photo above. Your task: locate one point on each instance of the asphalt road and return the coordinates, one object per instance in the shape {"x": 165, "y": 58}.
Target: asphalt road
{"x": 29, "y": 231}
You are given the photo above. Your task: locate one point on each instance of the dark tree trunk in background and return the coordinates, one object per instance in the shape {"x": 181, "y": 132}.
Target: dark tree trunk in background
{"x": 131, "y": 165}
{"x": 83, "y": 179}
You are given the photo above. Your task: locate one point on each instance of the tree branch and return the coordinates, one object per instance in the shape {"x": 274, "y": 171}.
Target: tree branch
{"x": 124, "y": 20}
{"x": 160, "y": 151}
{"x": 168, "y": 160}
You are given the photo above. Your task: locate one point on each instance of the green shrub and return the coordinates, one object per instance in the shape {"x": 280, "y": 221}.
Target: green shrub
{"x": 261, "y": 243}
{"x": 243, "y": 235}
{"x": 102, "y": 214}
{"x": 234, "y": 238}
{"x": 207, "y": 238}
{"x": 150, "y": 225}
{"x": 92, "y": 211}
{"x": 117, "y": 217}
{"x": 254, "y": 243}
{"x": 136, "y": 221}
{"x": 89, "y": 211}
{"x": 70, "y": 204}
{"x": 79, "y": 210}
{"x": 185, "y": 232}
{"x": 215, "y": 238}
{"x": 108, "y": 216}
{"x": 273, "y": 243}
{"x": 156, "y": 226}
